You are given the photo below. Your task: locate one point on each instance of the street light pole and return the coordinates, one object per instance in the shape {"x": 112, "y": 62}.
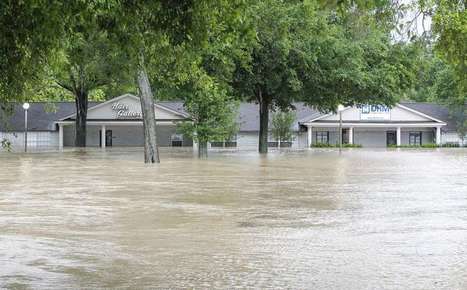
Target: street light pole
{"x": 340, "y": 131}
{"x": 340, "y": 108}
{"x": 26, "y": 107}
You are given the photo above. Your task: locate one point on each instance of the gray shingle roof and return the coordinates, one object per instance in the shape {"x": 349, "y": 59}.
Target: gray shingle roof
{"x": 41, "y": 118}
{"x": 436, "y": 111}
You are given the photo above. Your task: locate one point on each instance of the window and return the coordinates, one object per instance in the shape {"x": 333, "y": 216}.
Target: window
{"x": 176, "y": 140}
{"x": 228, "y": 143}
{"x": 322, "y": 137}
{"x": 217, "y": 144}
{"x": 415, "y": 138}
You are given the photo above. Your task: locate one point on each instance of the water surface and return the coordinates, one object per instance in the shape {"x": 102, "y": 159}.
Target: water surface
{"x": 366, "y": 219}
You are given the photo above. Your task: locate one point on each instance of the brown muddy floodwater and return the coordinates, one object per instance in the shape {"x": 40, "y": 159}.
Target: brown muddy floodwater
{"x": 367, "y": 219}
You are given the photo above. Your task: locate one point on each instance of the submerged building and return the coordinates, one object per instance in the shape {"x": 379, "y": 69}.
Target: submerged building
{"x": 117, "y": 122}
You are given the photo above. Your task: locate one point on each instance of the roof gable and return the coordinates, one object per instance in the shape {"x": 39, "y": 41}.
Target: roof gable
{"x": 128, "y": 107}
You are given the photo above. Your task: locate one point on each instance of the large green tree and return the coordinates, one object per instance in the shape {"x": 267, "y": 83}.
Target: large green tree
{"x": 281, "y": 126}
{"x": 87, "y": 62}
{"x": 213, "y": 113}
{"x": 159, "y": 35}
{"x": 30, "y": 31}
{"x": 306, "y": 52}
{"x": 442, "y": 66}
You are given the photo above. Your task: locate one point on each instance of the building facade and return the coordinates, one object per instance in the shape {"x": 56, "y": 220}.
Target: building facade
{"x": 117, "y": 122}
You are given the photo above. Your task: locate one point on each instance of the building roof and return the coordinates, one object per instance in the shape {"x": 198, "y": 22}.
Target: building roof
{"x": 43, "y": 115}
{"x": 434, "y": 110}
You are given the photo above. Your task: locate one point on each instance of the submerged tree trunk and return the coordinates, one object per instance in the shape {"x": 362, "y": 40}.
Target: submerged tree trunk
{"x": 263, "y": 124}
{"x": 81, "y": 102}
{"x": 151, "y": 152}
{"x": 203, "y": 150}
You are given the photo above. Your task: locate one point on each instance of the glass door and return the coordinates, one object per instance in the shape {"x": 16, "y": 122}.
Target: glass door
{"x": 391, "y": 138}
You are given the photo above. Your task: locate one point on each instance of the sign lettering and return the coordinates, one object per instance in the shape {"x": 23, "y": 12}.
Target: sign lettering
{"x": 374, "y": 112}
{"x": 123, "y": 111}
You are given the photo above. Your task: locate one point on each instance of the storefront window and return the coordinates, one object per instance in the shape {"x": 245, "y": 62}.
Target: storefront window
{"x": 322, "y": 137}
{"x": 177, "y": 140}
{"x": 415, "y": 138}
{"x": 229, "y": 143}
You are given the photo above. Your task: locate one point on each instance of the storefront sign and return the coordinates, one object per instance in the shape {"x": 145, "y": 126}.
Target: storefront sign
{"x": 123, "y": 111}
{"x": 374, "y": 112}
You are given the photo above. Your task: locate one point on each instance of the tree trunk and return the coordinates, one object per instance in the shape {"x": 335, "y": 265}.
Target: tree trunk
{"x": 81, "y": 102}
{"x": 151, "y": 152}
{"x": 203, "y": 150}
{"x": 263, "y": 125}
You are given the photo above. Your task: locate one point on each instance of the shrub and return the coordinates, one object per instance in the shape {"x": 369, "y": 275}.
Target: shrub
{"x": 451, "y": 145}
{"x": 322, "y": 145}
{"x": 428, "y": 145}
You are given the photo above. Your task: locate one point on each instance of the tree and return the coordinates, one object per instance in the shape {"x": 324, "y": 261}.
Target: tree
{"x": 28, "y": 31}
{"x": 450, "y": 26}
{"x": 442, "y": 73}
{"x": 302, "y": 53}
{"x": 447, "y": 89}
{"x": 157, "y": 36}
{"x": 281, "y": 124}
{"x": 87, "y": 62}
{"x": 213, "y": 114}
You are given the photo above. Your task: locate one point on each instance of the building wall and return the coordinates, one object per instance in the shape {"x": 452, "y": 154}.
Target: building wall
{"x": 370, "y": 137}
{"x": 133, "y": 136}
{"x": 37, "y": 140}
{"x": 453, "y": 138}
{"x": 124, "y": 135}
{"x": 247, "y": 140}
{"x": 375, "y": 137}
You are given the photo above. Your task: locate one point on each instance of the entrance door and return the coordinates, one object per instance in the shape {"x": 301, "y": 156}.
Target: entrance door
{"x": 345, "y": 136}
{"x": 391, "y": 138}
{"x": 108, "y": 138}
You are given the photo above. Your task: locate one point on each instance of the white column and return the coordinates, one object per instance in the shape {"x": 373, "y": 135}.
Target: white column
{"x": 438, "y": 135}
{"x": 60, "y": 136}
{"x": 351, "y": 135}
{"x": 398, "y": 136}
{"x": 309, "y": 136}
{"x": 103, "y": 136}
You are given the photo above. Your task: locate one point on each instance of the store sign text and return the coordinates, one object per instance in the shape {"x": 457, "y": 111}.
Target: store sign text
{"x": 123, "y": 111}
{"x": 374, "y": 112}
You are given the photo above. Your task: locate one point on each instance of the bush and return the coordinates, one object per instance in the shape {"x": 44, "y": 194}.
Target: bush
{"x": 322, "y": 145}
{"x": 351, "y": 145}
{"x": 450, "y": 145}
{"x": 428, "y": 145}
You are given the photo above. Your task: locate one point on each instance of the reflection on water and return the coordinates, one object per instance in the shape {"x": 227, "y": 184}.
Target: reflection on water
{"x": 311, "y": 219}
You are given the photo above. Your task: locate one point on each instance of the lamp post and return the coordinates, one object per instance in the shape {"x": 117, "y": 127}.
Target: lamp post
{"x": 26, "y": 108}
{"x": 340, "y": 108}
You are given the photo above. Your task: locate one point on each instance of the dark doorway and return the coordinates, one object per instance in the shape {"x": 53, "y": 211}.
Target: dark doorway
{"x": 391, "y": 138}
{"x": 345, "y": 136}
{"x": 108, "y": 138}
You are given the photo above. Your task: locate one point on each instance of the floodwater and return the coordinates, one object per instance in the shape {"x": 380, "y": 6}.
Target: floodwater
{"x": 365, "y": 219}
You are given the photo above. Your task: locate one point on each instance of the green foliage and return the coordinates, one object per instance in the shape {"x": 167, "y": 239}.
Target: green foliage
{"x": 428, "y": 145}
{"x": 281, "y": 125}
{"x": 88, "y": 62}
{"x": 302, "y": 53}
{"x": 450, "y": 25}
{"x": 28, "y": 29}
{"x": 439, "y": 82}
{"x": 212, "y": 111}
{"x": 6, "y": 144}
